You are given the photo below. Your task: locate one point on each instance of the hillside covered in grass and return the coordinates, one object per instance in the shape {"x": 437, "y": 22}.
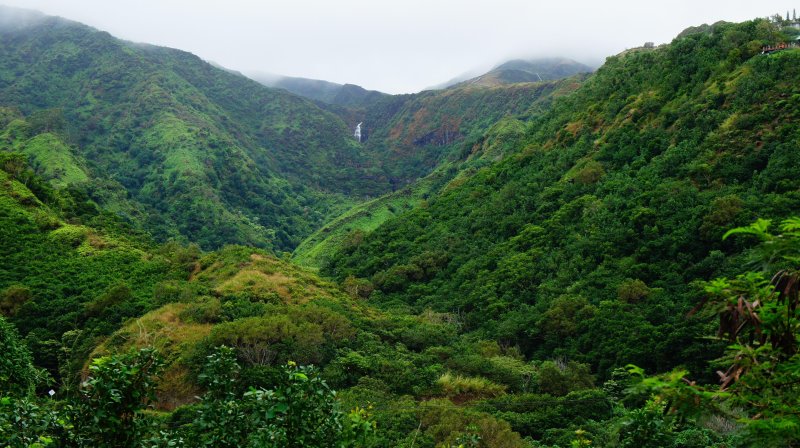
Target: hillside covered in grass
{"x": 197, "y": 152}
{"x": 531, "y": 265}
{"x": 585, "y": 242}
{"x": 440, "y": 135}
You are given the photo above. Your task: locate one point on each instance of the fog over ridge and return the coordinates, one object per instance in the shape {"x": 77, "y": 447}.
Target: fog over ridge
{"x": 395, "y": 46}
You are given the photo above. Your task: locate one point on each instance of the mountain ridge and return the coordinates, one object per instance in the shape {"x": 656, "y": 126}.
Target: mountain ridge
{"x": 520, "y": 265}
{"x": 345, "y": 95}
{"x": 129, "y": 99}
{"x": 530, "y": 236}
{"x": 520, "y": 70}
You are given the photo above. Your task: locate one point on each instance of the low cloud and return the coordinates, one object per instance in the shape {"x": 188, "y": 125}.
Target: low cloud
{"x": 395, "y": 46}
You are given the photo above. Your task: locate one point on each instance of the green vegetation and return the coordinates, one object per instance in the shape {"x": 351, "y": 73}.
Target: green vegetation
{"x": 456, "y": 131}
{"x": 584, "y": 243}
{"x": 347, "y": 95}
{"x": 175, "y": 146}
{"x": 548, "y": 281}
{"x": 758, "y": 315}
{"x": 109, "y": 411}
{"x": 18, "y": 377}
{"x": 413, "y": 134}
{"x": 348, "y": 227}
{"x": 535, "y": 70}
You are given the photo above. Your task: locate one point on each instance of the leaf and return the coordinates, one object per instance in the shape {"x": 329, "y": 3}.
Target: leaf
{"x": 791, "y": 224}
{"x": 758, "y": 228}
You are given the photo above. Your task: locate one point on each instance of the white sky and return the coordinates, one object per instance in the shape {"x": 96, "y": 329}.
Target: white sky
{"x": 396, "y": 46}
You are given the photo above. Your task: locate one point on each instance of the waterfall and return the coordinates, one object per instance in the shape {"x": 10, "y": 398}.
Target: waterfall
{"x": 357, "y": 134}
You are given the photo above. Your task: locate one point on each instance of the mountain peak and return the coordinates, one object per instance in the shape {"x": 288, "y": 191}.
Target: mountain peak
{"x": 530, "y": 70}
{"x": 16, "y": 19}
{"x": 520, "y": 70}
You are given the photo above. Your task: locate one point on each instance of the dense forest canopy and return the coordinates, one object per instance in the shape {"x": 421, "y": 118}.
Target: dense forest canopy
{"x": 588, "y": 239}
{"x": 609, "y": 259}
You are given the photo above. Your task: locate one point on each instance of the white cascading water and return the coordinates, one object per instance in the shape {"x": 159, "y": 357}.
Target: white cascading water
{"x": 357, "y": 134}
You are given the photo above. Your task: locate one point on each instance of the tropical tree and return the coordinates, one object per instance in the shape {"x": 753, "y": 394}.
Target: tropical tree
{"x": 18, "y": 376}
{"x": 108, "y": 410}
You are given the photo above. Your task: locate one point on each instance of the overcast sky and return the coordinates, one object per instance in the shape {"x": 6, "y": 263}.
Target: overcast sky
{"x": 396, "y": 46}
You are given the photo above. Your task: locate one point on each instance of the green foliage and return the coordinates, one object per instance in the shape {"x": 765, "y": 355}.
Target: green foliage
{"x": 18, "y": 376}
{"x": 179, "y": 147}
{"x": 220, "y": 373}
{"x": 299, "y": 411}
{"x": 558, "y": 221}
{"x": 26, "y": 424}
{"x": 53, "y": 280}
{"x": 119, "y": 387}
{"x": 559, "y": 378}
{"x": 458, "y": 388}
{"x": 621, "y": 189}
{"x": 759, "y": 314}
{"x": 632, "y": 290}
{"x": 12, "y": 298}
{"x": 547, "y": 418}
{"x": 274, "y": 339}
{"x": 54, "y": 161}
{"x": 580, "y": 440}
{"x": 444, "y": 424}
{"x": 433, "y": 140}
{"x": 647, "y": 427}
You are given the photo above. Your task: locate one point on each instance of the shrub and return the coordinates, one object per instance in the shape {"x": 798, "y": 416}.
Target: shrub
{"x": 12, "y": 298}
{"x": 70, "y": 235}
{"x": 559, "y": 378}
{"x": 108, "y": 409}
{"x": 461, "y": 389}
{"x": 18, "y": 377}
{"x": 632, "y": 290}
{"x": 300, "y": 411}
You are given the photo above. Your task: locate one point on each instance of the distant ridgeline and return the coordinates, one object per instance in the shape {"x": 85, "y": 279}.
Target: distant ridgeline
{"x": 186, "y": 150}
{"x": 630, "y": 180}
{"x": 507, "y": 263}
{"x": 181, "y": 148}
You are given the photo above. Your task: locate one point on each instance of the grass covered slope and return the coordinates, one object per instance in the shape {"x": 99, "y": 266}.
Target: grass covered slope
{"x": 413, "y": 134}
{"x": 69, "y": 274}
{"x": 490, "y": 122}
{"x": 49, "y": 155}
{"x": 418, "y": 378}
{"x": 190, "y": 151}
{"x": 316, "y": 250}
{"x": 584, "y": 242}
{"x": 521, "y": 70}
{"x": 269, "y": 310}
{"x": 200, "y": 152}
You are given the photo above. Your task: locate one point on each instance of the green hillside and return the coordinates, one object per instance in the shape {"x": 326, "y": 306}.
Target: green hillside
{"x": 444, "y": 133}
{"x": 533, "y": 70}
{"x": 68, "y": 268}
{"x": 79, "y": 285}
{"x": 316, "y": 250}
{"x": 200, "y": 152}
{"x": 421, "y": 131}
{"x": 344, "y": 95}
{"x": 626, "y": 185}
{"x": 605, "y": 260}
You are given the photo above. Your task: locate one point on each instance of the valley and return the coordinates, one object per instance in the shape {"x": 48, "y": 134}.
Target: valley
{"x": 544, "y": 255}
